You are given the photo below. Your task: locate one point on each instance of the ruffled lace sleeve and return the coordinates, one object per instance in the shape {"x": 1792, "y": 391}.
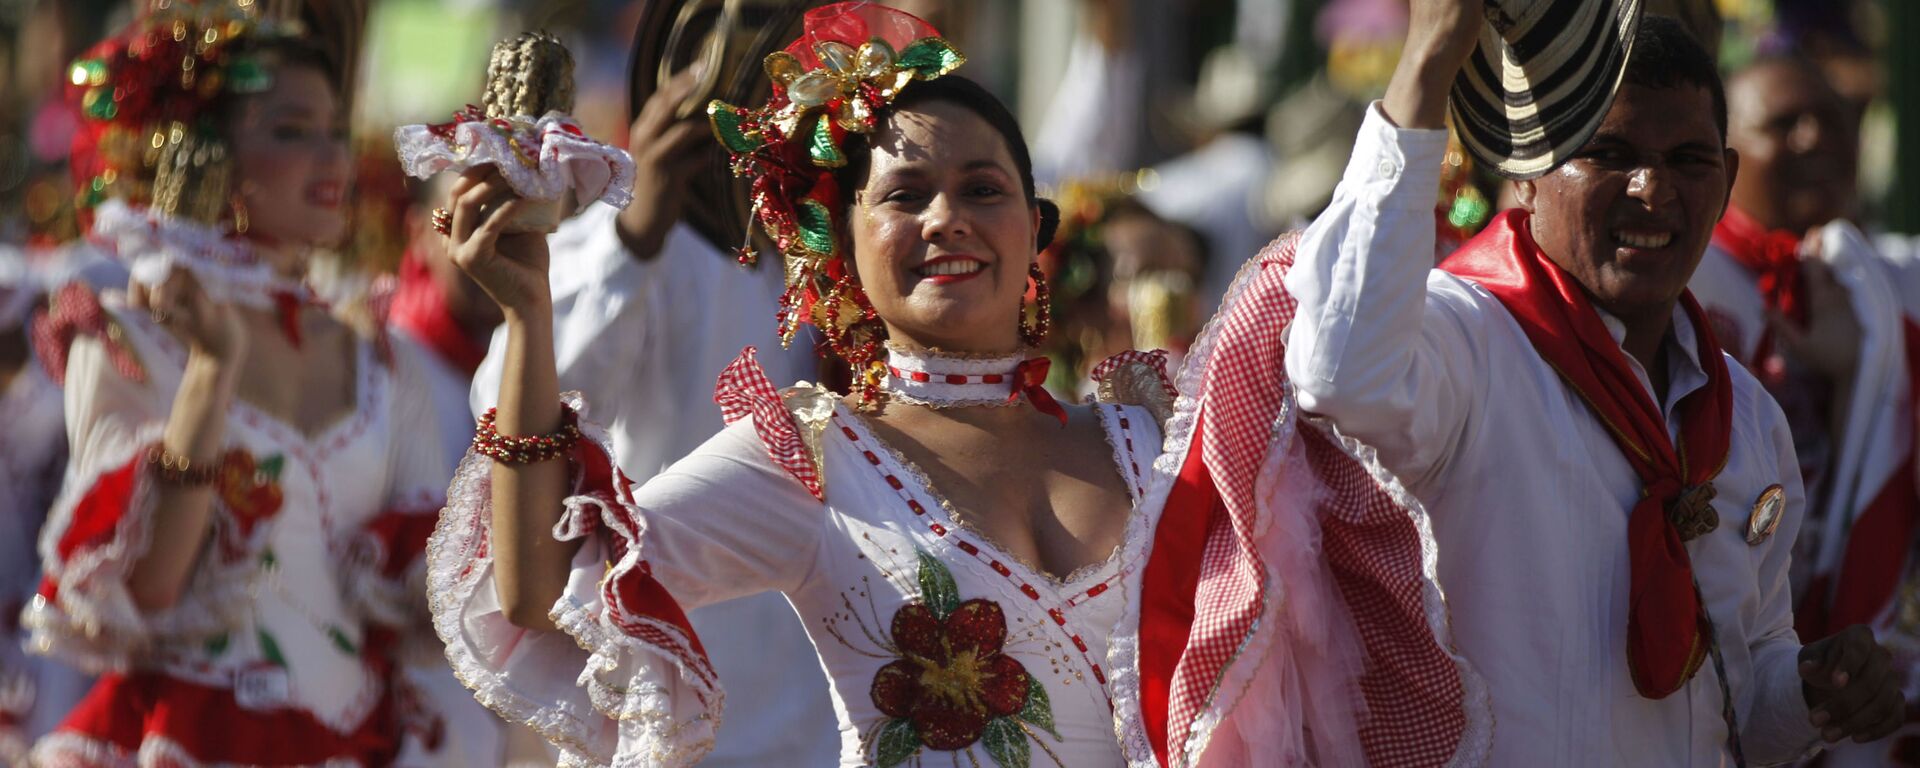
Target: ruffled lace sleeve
{"x": 99, "y": 524}
{"x": 626, "y": 680}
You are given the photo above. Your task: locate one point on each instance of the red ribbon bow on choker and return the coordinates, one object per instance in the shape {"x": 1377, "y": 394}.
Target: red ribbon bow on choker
{"x": 1030, "y": 378}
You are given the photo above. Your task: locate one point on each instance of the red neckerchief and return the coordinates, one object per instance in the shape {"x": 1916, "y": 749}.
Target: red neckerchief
{"x": 1666, "y": 624}
{"x": 1773, "y": 255}
{"x": 287, "y": 304}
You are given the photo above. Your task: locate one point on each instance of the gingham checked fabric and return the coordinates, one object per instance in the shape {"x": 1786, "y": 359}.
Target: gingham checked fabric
{"x": 75, "y": 311}
{"x": 637, "y": 605}
{"x": 743, "y": 390}
{"x": 1413, "y": 690}
{"x": 1157, "y": 360}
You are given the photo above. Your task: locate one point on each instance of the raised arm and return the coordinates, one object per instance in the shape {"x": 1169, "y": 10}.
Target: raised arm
{"x": 1368, "y": 347}
{"x": 195, "y": 431}
{"x": 530, "y": 565}
{"x": 1441, "y": 36}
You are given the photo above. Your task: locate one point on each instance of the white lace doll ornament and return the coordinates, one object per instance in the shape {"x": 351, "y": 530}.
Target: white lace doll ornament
{"x": 523, "y": 129}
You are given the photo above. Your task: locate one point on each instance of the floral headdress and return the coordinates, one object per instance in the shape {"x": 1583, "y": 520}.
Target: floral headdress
{"x": 147, "y": 133}
{"x": 849, "y": 65}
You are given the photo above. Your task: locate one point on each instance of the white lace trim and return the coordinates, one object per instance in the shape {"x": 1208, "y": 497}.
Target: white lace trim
{"x": 937, "y": 392}
{"x": 542, "y": 158}
{"x": 93, "y": 623}
{"x": 622, "y": 672}
{"x": 69, "y": 749}
{"x": 152, "y": 244}
{"x": 455, "y": 571}
{"x": 1123, "y": 646}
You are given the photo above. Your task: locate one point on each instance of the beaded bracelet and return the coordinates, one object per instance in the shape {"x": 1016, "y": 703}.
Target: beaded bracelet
{"x": 508, "y": 449}
{"x": 172, "y": 469}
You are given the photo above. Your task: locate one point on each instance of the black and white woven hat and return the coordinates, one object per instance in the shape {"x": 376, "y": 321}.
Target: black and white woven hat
{"x": 1541, "y": 81}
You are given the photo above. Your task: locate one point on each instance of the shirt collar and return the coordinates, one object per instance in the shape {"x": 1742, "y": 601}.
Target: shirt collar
{"x": 1684, "y": 371}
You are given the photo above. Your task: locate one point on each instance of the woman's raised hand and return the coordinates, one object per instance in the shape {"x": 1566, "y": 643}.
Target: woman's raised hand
{"x": 179, "y": 304}
{"x": 510, "y": 267}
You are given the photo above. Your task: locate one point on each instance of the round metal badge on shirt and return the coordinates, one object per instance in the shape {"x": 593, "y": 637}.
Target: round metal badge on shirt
{"x": 1766, "y": 514}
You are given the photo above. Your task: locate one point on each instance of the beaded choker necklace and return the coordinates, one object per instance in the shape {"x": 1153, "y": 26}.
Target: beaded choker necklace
{"x": 936, "y": 380}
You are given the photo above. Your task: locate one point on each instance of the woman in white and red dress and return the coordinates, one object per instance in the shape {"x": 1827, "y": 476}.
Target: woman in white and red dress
{"x": 1177, "y": 575}
{"x": 251, "y": 483}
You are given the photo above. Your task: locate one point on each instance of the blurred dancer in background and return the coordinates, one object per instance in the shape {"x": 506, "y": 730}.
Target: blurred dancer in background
{"x": 236, "y": 546}
{"x": 1799, "y": 295}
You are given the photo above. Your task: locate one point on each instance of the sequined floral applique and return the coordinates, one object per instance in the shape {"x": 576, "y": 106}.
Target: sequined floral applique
{"x": 951, "y": 685}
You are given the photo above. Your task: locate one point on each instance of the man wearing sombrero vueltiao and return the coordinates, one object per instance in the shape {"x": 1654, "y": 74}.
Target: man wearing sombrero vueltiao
{"x": 1615, "y": 568}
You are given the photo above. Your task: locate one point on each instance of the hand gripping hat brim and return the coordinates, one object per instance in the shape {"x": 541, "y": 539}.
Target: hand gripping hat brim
{"x": 1541, "y": 81}
{"x": 671, "y": 36}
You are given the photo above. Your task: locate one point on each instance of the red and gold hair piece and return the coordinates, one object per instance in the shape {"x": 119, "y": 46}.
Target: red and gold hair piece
{"x": 145, "y": 97}
{"x": 838, "y": 78}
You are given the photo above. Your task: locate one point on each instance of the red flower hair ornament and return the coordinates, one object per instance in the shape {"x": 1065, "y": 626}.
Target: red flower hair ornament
{"x": 145, "y": 98}
{"x": 838, "y": 78}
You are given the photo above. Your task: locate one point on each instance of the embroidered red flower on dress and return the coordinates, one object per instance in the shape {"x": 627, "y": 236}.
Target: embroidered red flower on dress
{"x": 250, "y": 491}
{"x": 954, "y": 678}
{"x": 953, "y": 685}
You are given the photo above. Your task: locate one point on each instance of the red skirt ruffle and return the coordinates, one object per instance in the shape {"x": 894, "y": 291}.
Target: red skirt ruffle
{"x": 123, "y": 712}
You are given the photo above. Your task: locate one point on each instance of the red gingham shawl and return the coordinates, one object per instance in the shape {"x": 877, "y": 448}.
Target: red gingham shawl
{"x": 1205, "y": 583}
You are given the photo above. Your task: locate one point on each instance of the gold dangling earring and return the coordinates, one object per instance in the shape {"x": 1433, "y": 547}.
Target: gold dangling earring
{"x": 1034, "y": 332}
{"x": 240, "y": 222}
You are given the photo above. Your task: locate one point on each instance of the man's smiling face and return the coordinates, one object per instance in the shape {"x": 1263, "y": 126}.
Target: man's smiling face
{"x": 1631, "y": 213}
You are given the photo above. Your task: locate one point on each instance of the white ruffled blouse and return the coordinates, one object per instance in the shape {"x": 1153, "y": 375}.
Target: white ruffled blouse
{"x": 314, "y": 539}
{"x": 934, "y": 639}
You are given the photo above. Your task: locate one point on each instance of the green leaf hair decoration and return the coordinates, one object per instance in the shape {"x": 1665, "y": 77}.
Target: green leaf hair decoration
{"x": 931, "y": 57}
{"x": 823, "y": 149}
{"x": 727, "y": 121}
{"x": 816, "y": 227}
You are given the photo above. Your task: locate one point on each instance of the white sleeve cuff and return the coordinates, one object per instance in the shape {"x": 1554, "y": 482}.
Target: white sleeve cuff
{"x": 1402, "y": 164}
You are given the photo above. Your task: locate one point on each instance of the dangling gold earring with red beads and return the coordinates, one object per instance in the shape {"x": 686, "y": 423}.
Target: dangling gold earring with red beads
{"x": 1034, "y": 325}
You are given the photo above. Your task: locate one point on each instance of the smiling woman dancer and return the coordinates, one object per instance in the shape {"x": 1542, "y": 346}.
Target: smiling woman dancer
{"x": 990, "y": 577}
{"x": 251, "y": 482}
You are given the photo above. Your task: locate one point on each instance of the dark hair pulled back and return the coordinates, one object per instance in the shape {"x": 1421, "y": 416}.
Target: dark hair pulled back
{"x": 973, "y": 97}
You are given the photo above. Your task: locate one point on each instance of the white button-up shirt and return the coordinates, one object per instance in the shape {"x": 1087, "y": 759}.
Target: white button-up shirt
{"x": 1529, "y": 494}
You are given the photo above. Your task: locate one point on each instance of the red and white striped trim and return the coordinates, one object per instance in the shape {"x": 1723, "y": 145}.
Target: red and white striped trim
{"x": 923, "y": 377}
{"x": 987, "y": 555}
{"x": 930, "y": 378}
